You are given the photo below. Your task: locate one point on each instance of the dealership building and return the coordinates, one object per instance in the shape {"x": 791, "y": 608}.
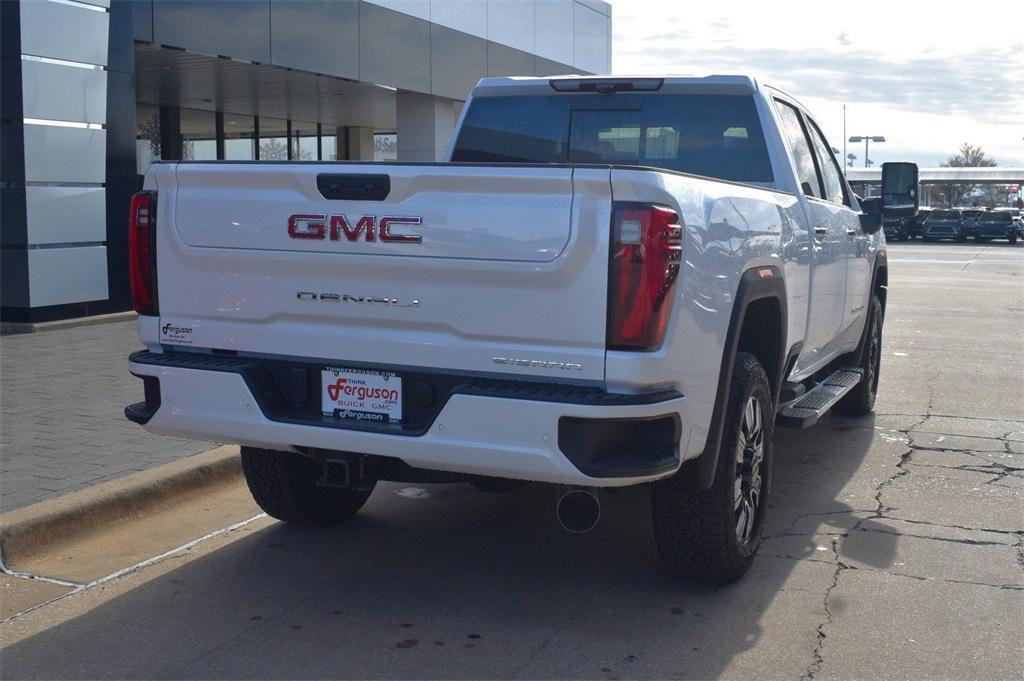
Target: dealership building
{"x": 93, "y": 91}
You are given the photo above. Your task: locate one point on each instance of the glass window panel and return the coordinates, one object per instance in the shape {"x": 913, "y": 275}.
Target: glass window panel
{"x": 829, "y": 168}
{"x": 329, "y": 146}
{"x": 239, "y": 137}
{"x": 303, "y": 141}
{"x": 147, "y": 136}
{"x": 800, "y": 147}
{"x": 273, "y": 139}
{"x": 716, "y": 136}
{"x": 198, "y": 135}
{"x": 385, "y": 146}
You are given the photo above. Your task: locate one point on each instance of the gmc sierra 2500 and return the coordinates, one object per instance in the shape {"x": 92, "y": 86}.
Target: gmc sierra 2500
{"x": 613, "y": 281}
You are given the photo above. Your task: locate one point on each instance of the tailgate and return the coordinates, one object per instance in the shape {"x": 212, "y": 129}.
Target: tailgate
{"x": 492, "y": 269}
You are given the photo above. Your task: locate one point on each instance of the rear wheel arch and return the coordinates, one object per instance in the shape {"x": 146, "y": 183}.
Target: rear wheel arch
{"x": 757, "y": 326}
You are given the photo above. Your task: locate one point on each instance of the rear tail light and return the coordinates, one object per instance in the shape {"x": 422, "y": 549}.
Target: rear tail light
{"x": 142, "y": 253}
{"x": 646, "y": 251}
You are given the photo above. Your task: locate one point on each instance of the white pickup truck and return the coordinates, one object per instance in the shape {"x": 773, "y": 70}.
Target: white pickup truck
{"x": 613, "y": 281}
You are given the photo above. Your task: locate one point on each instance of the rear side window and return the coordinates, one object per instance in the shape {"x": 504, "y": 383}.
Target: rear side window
{"x": 799, "y": 146}
{"x": 715, "y": 136}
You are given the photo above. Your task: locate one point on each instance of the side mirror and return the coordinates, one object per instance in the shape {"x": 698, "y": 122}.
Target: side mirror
{"x": 871, "y": 215}
{"x": 900, "y": 190}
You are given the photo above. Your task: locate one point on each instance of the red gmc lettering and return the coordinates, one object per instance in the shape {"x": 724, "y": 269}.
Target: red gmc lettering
{"x": 339, "y": 224}
{"x": 306, "y": 226}
{"x": 303, "y": 226}
{"x": 386, "y": 235}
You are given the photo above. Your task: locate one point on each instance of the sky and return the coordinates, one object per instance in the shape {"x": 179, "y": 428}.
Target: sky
{"x": 926, "y": 76}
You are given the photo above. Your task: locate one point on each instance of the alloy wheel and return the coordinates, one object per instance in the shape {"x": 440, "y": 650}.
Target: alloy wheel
{"x": 749, "y": 457}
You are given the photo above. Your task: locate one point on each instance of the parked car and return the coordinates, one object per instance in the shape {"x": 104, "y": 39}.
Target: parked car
{"x": 1018, "y": 219}
{"x": 615, "y": 282}
{"x": 898, "y": 227}
{"x": 969, "y": 219}
{"x": 944, "y": 224}
{"x": 917, "y": 223}
{"x": 998, "y": 224}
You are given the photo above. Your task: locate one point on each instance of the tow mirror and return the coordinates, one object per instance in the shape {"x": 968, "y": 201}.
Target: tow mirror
{"x": 900, "y": 190}
{"x": 871, "y": 215}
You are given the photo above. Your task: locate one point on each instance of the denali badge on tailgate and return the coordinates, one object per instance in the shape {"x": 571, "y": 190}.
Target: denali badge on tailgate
{"x": 319, "y": 226}
{"x": 361, "y": 300}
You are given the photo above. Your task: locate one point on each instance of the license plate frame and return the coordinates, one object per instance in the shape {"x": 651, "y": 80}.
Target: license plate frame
{"x": 365, "y": 395}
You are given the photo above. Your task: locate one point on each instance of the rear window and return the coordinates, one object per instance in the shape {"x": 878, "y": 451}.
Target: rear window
{"x": 716, "y": 136}
{"x": 1001, "y": 216}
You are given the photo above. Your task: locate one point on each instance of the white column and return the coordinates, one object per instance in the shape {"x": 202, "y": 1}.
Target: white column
{"x": 360, "y": 144}
{"x": 425, "y": 125}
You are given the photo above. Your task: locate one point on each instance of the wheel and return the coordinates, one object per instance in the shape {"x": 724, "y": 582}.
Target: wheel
{"x": 980, "y": 239}
{"x": 284, "y": 486}
{"x": 712, "y": 535}
{"x": 861, "y": 400}
{"x": 962, "y": 238}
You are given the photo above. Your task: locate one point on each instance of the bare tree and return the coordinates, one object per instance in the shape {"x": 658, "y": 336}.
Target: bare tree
{"x": 968, "y": 156}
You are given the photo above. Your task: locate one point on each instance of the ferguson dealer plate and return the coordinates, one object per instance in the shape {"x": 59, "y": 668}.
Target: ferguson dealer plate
{"x": 361, "y": 395}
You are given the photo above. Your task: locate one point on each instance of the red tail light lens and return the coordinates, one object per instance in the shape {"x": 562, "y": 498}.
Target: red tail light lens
{"x": 142, "y": 253}
{"x": 646, "y": 251}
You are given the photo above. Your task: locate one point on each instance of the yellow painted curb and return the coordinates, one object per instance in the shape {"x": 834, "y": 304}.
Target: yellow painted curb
{"x": 36, "y": 529}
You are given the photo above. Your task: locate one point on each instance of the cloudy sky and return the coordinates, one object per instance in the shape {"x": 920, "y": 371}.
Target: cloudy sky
{"x": 926, "y": 76}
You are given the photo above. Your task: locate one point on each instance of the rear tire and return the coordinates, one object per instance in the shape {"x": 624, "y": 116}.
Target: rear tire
{"x": 712, "y": 535}
{"x": 284, "y": 485}
{"x": 861, "y": 400}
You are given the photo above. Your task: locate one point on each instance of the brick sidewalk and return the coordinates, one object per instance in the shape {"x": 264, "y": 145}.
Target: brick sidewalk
{"x": 62, "y": 426}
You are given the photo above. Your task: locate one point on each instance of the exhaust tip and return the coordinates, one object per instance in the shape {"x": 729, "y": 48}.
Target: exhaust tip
{"x": 578, "y": 511}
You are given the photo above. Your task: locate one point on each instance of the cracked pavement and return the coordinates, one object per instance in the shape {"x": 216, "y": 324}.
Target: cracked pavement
{"x": 894, "y": 548}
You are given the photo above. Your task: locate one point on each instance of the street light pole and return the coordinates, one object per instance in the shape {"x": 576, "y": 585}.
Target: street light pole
{"x": 867, "y": 139}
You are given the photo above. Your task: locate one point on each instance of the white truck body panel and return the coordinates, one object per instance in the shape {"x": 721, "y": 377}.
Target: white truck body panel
{"x": 503, "y": 258}
{"x": 514, "y": 263}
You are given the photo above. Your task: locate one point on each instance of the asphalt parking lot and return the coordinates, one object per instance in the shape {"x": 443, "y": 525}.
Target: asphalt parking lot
{"x": 894, "y": 549}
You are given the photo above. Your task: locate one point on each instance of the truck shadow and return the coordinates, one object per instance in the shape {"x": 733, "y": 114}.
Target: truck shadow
{"x": 453, "y": 583}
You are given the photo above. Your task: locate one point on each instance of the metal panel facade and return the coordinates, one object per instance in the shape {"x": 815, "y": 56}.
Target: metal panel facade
{"x": 457, "y": 62}
{"x": 59, "y": 154}
{"x": 507, "y": 61}
{"x": 591, "y": 48}
{"x": 394, "y": 49}
{"x": 321, "y": 36}
{"x": 510, "y": 22}
{"x": 239, "y": 29}
{"x": 66, "y": 214}
{"x": 58, "y": 276}
{"x": 56, "y": 92}
{"x": 551, "y": 39}
{"x": 59, "y": 31}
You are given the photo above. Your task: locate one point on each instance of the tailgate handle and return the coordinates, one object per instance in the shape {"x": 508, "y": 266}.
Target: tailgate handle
{"x": 354, "y": 187}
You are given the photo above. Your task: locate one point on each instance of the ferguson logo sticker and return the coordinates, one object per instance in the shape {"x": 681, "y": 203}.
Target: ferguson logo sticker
{"x": 176, "y": 334}
{"x": 317, "y": 226}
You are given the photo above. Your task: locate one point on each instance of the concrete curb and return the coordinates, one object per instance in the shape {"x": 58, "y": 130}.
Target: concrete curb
{"x": 36, "y": 529}
{"x": 15, "y": 328}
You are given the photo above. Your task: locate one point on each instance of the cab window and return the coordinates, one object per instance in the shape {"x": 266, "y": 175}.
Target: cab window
{"x": 830, "y": 173}
{"x": 800, "y": 147}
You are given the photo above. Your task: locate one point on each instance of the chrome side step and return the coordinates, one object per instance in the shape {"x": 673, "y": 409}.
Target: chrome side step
{"x": 815, "y": 402}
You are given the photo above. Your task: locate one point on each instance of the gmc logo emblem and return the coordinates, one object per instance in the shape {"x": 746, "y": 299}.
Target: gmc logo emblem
{"x": 368, "y": 227}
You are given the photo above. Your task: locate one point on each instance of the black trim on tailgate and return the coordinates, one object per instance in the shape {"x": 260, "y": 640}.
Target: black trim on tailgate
{"x": 288, "y": 391}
